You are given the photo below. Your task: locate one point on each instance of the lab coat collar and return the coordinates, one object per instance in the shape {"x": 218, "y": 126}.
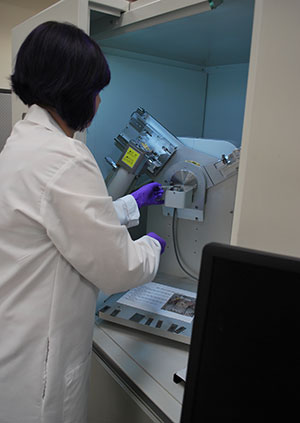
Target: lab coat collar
{"x": 42, "y": 117}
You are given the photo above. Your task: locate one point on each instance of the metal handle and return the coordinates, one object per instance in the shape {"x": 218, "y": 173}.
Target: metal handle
{"x": 111, "y": 162}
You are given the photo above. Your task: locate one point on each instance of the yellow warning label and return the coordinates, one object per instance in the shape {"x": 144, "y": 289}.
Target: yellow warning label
{"x": 130, "y": 157}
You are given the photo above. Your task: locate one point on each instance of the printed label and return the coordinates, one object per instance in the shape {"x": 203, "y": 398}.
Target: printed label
{"x": 130, "y": 157}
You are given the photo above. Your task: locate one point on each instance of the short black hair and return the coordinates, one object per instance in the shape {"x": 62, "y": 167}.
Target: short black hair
{"x": 60, "y": 66}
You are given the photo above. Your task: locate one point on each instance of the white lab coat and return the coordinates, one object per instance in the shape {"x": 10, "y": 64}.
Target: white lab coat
{"x": 61, "y": 241}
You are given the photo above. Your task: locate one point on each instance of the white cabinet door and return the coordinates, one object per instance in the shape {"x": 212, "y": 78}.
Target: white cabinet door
{"x": 145, "y": 13}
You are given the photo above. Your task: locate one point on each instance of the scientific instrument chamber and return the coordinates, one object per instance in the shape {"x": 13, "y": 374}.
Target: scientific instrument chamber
{"x": 199, "y": 178}
{"x": 192, "y": 95}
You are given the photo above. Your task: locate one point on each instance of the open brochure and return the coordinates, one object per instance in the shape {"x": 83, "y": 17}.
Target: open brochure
{"x": 163, "y": 300}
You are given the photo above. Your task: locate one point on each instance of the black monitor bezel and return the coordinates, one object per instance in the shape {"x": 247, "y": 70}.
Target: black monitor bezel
{"x": 211, "y": 252}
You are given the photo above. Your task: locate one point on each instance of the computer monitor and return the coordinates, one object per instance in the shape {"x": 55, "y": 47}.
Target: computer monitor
{"x": 244, "y": 362}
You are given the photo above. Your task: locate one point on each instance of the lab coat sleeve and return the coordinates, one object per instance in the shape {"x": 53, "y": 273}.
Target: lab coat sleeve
{"x": 81, "y": 221}
{"x": 127, "y": 211}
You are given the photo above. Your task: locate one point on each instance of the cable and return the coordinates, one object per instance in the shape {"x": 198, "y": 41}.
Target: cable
{"x": 176, "y": 247}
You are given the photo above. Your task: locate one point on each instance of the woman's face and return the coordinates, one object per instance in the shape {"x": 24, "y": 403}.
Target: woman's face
{"x": 97, "y": 103}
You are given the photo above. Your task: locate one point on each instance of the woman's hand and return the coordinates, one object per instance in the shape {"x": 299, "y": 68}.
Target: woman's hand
{"x": 149, "y": 194}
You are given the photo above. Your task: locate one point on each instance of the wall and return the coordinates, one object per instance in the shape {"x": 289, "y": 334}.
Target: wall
{"x": 267, "y": 208}
{"x": 225, "y": 104}
{"x": 13, "y": 12}
{"x": 173, "y": 95}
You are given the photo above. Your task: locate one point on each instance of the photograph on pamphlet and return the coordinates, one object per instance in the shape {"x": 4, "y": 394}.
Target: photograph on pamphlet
{"x": 181, "y": 304}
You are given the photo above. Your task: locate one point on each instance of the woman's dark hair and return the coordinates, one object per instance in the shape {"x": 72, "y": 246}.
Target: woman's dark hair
{"x": 60, "y": 66}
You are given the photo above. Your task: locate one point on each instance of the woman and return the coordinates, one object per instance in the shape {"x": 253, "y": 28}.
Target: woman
{"x": 61, "y": 237}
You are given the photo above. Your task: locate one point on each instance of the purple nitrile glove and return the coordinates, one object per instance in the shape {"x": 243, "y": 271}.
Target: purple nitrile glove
{"x": 159, "y": 239}
{"x": 149, "y": 194}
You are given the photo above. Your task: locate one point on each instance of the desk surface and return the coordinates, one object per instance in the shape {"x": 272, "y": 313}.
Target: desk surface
{"x": 148, "y": 362}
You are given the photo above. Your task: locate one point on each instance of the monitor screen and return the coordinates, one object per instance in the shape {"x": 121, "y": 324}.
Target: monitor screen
{"x": 244, "y": 362}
